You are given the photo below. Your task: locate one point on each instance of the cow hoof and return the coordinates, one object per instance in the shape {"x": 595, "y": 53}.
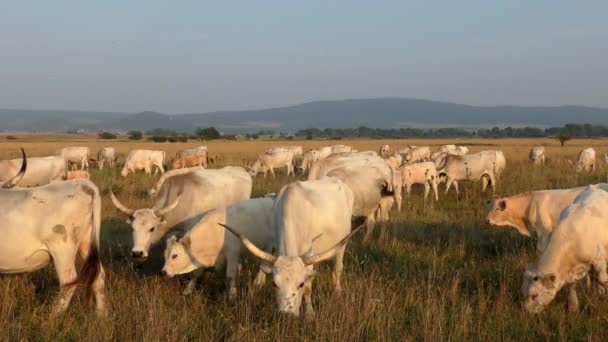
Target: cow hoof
{"x": 310, "y": 315}
{"x": 232, "y": 294}
{"x": 188, "y": 291}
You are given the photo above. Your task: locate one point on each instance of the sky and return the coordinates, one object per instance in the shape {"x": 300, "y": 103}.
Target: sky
{"x": 199, "y": 56}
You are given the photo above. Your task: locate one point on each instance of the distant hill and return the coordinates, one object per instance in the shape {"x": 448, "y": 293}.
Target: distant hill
{"x": 377, "y": 113}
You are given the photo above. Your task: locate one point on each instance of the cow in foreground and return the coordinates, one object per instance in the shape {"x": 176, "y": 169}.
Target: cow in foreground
{"x": 537, "y": 155}
{"x": 207, "y": 244}
{"x": 40, "y": 171}
{"x": 579, "y": 242}
{"x": 75, "y": 155}
{"x": 585, "y": 160}
{"x": 313, "y": 224}
{"x": 270, "y": 161}
{"x": 180, "y": 199}
{"x": 55, "y": 222}
{"x": 143, "y": 159}
{"x": 106, "y": 155}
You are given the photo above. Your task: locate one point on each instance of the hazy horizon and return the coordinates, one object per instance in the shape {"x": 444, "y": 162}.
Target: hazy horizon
{"x": 195, "y": 57}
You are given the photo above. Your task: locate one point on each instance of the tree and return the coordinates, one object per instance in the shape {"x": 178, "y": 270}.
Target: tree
{"x": 107, "y": 135}
{"x": 135, "y": 135}
{"x": 208, "y": 133}
{"x": 563, "y": 138}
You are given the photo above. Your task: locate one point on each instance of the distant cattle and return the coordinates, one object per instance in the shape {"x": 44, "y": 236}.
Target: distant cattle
{"x": 384, "y": 150}
{"x": 201, "y": 151}
{"x": 297, "y": 150}
{"x": 143, "y": 159}
{"x": 418, "y": 154}
{"x": 312, "y": 156}
{"x": 188, "y": 161}
{"x": 537, "y": 155}
{"x": 485, "y": 166}
{"x": 106, "y": 155}
{"x": 270, "y": 161}
{"x": 74, "y": 155}
{"x": 585, "y": 160}
{"x": 341, "y": 149}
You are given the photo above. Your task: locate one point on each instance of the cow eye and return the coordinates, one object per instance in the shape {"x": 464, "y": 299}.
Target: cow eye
{"x": 301, "y": 286}
{"x": 534, "y": 296}
{"x": 275, "y": 284}
{"x": 174, "y": 256}
{"x": 151, "y": 230}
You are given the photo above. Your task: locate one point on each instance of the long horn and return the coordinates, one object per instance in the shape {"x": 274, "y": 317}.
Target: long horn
{"x": 119, "y": 205}
{"x": 173, "y": 205}
{"x": 12, "y": 182}
{"x": 313, "y": 259}
{"x": 251, "y": 247}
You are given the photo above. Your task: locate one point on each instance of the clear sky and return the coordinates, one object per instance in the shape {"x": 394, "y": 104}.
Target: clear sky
{"x": 197, "y": 56}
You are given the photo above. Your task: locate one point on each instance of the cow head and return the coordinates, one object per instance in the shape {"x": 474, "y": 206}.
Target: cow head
{"x": 290, "y": 274}
{"x": 539, "y": 289}
{"x": 145, "y": 224}
{"x": 125, "y": 171}
{"x": 498, "y": 214}
{"x": 178, "y": 259}
{"x": 255, "y": 168}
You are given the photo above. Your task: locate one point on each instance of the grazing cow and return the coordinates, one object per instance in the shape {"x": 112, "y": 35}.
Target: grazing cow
{"x": 485, "y": 166}
{"x": 341, "y": 149}
{"x": 418, "y": 154}
{"x": 585, "y": 160}
{"x": 201, "y": 151}
{"x": 79, "y": 174}
{"x": 578, "y": 242}
{"x": 106, "y": 154}
{"x": 384, "y": 150}
{"x": 297, "y": 150}
{"x": 76, "y": 155}
{"x": 313, "y": 224}
{"x": 208, "y": 245}
{"x": 420, "y": 173}
{"x": 188, "y": 161}
{"x": 40, "y": 171}
{"x": 369, "y": 178}
{"x": 54, "y": 222}
{"x": 537, "y": 155}
{"x": 532, "y": 212}
{"x": 311, "y": 157}
{"x": 270, "y": 161}
{"x": 143, "y": 159}
{"x": 181, "y": 197}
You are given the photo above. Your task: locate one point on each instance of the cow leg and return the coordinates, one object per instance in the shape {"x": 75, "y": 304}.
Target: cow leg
{"x": 310, "y": 312}
{"x": 338, "y": 267}
{"x": 435, "y": 190}
{"x": 369, "y": 227}
{"x": 448, "y": 183}
{"x": 427, "y": 189}
{"x": 66, "y": 273}
{"x": 572, "y": 298}
{"x": 600, "y": 267}
{"x": 456, "y": 187}
{"x": 484, "y": 183}
{"x": 161, "y": 168}
{"x": 232, "y": 274}
{"x": 196, "y": 275}
{"x": 408, "y": 189}
{"x": 272, "y": 172}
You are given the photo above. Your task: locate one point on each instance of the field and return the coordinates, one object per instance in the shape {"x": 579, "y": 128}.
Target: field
{"x": 442, "y": 274}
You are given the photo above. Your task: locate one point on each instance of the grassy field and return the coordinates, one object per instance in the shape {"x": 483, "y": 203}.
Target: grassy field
{"x": 442, "y": 274}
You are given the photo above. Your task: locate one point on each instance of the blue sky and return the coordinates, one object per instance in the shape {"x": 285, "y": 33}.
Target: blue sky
{"x": 197, "y": 56}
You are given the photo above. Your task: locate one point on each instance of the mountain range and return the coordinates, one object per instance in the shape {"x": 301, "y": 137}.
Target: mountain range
{"x": 375, "y": 113}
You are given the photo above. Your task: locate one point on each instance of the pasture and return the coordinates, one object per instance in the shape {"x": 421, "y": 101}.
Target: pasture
{"x": 442, "y": 273}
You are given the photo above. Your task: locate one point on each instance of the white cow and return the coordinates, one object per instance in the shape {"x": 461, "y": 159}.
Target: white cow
{"x": 420, "y": 173}
{"x": 444, "y": 151}
{"x": 384, "y": 150}
{"x": 404, "y": 150}
{"x": 270, "y": 161}
{"x": 40, "y": 171}
{"x": 585, "y": 160}
{"x": 341, "y": 149}
{"x": 313, "y": 224}
{"x": 181, "y": 197}
{"x": 54, "y": 222}
{"x": 143, "y": 159}
{"x": 76, "y": 155}
{"x": 579, "y": 242}
{"x": 297, "y": 150}
{"x": 201, "y": 151}
{"x": 106, "y": 155}
{"x": 537, "y": 155}
{"x": 417, "y": 154}
{"x": 485, "y": 166}
{"x": 207, "y": 244}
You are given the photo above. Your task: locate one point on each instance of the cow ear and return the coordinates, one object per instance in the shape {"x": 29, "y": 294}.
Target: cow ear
{"x": 502, "y": 204}
{"x": 310, "y": 274}
{"x": 264, "y": 267}
{"x": 171, "y": 240}
{"x": 130, "y": 219}
{"x": 186, "y": 241}
{"x": 163, "y": 220}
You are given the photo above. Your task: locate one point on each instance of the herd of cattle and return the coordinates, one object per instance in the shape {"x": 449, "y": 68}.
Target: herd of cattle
{"x": 208, "y": 218}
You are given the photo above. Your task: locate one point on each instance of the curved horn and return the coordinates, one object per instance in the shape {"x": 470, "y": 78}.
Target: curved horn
{"x": 13, "y": 181}
{"x": 119, "y": 205}
{"x": 173, "y": 205}
{"x": 251, "y": 247}
{"x": 313, "y": 259}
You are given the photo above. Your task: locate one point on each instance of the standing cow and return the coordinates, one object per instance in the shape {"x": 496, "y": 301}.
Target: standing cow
{"x": 537, "y": 155}
{"x": 106, "y": 155}
{"x": 143, "y": 159}
{"x": 201, "y": 151}
{"x": 74, "y": 155}
{"x": 270, "y": 161}
{"x": 585, "y": 160}
{"x": 420, "y": 173}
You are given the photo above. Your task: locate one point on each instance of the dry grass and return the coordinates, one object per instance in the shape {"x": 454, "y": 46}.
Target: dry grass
{"x": 443, "y": 274}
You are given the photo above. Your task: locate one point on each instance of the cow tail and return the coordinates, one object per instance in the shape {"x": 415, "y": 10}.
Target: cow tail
{"x": 92, "y": 265}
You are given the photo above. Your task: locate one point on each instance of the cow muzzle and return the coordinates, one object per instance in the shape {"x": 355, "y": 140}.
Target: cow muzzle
{"x": 139, "y": 257}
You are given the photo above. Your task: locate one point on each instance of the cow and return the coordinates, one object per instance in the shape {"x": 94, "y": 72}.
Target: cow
{"x": 446, "y": 148}
{"x": 341, "y": 149}
{"x": 313, "y": 156}
{"x": 404, "y": 150}
{"x": 578, "y": 242}
{"x": 537, "y": 155}
{"x": 313, "y": 224}
{"x": 297, "y": 150}
{"x": 106, "y": 154}
{"x": 532, "y": 212}
{"x": 384, "y": 150}
{"x": 417, "y": 154}
{"x": 76, "y": 155}
{"x": 395, "y": 161}
{"x": 201, "y": 151}
{"x": 485, "y": 166}
{"x": 143, "y": 159}
{"x": 180, "y": 198}
{"x": 420, "y": 173}
{"x": 188, "y": 161}
{"x": 461, "y": 150}
{"x": 207, "y": 244}
{"x": 55, "y": 222}
{"x": 40, "y": 171}
{"x": 369, "y": 178}
{"x": 270, "y": 161}
{"x": 78, "y": 174}
{"x": 443, "y": 151}
{"x": 585, "y": 160}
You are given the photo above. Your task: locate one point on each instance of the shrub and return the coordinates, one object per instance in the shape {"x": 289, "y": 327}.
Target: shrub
{"x": 107, "y": 135}
{"x": 11, "y": 137}
{"x": 158, "y": 138}
{"x": 135, "y": 135}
